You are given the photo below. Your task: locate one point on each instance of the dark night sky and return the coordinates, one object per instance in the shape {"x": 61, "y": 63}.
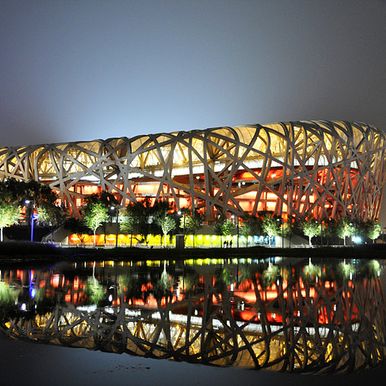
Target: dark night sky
{"x": 72, "y": 70}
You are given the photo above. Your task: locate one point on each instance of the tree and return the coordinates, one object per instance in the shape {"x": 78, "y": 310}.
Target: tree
{"x": 270, "y": 226}
{"x": 12, "y": 190}
{"x": 106, "y": 198}
{"x": 190, "y": 223}
{"x": 251, "y": 226}
{"x": 345, "y": 228}
{"x": 167, "y": 224}
{"x": 246, "y": 231}
{"x": 42, "y": 198}
{"x": 50, "y": 214}
{"x": 9, "y": 215}
{"x": 137, "y": 219}
{"x": 227, "y": 228}
{"x": 159, "y": 209}
{"x": 374, "y": 230}
{"x": 311, "y": 228}
{"x": 129, "y": 225}
{"x": 95, "y": 214}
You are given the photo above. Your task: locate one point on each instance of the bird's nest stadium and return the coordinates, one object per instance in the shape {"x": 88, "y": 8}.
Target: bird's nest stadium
{"x": 302, "y": 169}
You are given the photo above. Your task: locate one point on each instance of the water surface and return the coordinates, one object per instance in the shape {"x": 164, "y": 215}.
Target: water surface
{"x": 293, "y": 315}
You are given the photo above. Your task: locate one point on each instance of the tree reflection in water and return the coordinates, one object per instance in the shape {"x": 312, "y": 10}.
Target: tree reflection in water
{"x": 312, "y": 317}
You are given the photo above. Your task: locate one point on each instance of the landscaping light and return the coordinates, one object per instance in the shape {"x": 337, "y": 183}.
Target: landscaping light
{"x": 357, "y": 240}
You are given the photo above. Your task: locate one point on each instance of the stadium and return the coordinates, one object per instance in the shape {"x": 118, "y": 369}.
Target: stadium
{"x": 295, "y": 170}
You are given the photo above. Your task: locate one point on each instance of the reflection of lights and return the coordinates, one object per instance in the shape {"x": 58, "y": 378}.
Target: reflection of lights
{"x": 232, "y": 287}
{"x": 110, "y": 298}
{"x": 374, "y": 268}
{"x": 23, "y": 307}
{"x": 346, "y": 270}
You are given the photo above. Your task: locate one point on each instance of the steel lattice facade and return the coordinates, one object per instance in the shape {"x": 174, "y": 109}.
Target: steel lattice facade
{"x": 298, "y": 169}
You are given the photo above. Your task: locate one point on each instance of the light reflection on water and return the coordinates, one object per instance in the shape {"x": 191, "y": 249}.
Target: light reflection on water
{"x": 280, "y": 314}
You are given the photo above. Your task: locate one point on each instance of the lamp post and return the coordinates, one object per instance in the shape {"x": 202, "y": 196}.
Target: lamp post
{"x": 183, "y": 214}
{"x": 32, "y": 216}
{"x": 115, "y": 210}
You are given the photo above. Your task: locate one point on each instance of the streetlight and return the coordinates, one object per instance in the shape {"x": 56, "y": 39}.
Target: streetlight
{"x": 183, "y": 214}
{"x": 32, "y": 216}
{"x": 115, "y": 210}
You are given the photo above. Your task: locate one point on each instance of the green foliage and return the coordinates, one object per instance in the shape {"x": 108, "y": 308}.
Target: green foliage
{"x": 270, "y": 275}
{"x": 95, "y": 214}
{"x": 345, "y": 228}
{"x": 345, "y": 270}
{"x": 94, "y": 291}
{"x": 129, "y": 223}
{"x": 163, "y": 286}
{"x": 14, "y": 191}
{"x": 311, "y": 228}
{"x": 251, "y": 225}
{"x": 8, "y": 295}
{"x": 42, "y": 197}
{"x": 143, "y": 218}
{"x": 165, "y": 282}
{"x": 129, "y": 285}
{"x": 158, "y": 210}
{"x": 227, "y": 276}
{"x": 245, "y": 230}
{"x": 167, "y": 224}
{"x": 373, "y": 230}
{"x": 190, "y": 282}
{"x": 9, "y": 215}
{"x": 311, "y": 272}
{"x": 227, "y": 228}
{"x": 50, "y": 215}
{"x": 137, "y": 217}
{"x": 106, "y": 198}
{"x": 271, "y": 226}
{"x": 372, "y": 269}
{"x": 190, "y": 224}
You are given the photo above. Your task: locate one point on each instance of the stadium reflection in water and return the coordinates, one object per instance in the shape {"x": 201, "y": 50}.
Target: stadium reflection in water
{"x": 280, "y": 314}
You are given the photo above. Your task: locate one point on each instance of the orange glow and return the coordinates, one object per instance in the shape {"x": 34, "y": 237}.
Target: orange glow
{"x": 55, "y": 280}
{"x": 147, "y": 188}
